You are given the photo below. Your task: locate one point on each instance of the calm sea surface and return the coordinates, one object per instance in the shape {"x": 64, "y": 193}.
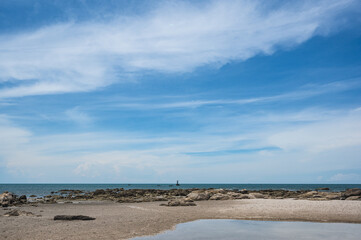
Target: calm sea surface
{"x": 258, "y": 230}
{"x": 45, "y": 189}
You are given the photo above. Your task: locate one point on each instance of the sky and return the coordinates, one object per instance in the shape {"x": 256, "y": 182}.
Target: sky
{"x": 198, "y": 91}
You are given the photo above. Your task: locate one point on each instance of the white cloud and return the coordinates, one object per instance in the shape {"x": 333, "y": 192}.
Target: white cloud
{"x": 342, "y": 131}
{"x": 329, "y": 142}
{"x": 176, "y": 37}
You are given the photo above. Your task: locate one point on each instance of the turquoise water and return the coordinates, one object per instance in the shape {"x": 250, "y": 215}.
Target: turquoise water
{"x": 45, "y": 189}
{"x": 258, "y": 230}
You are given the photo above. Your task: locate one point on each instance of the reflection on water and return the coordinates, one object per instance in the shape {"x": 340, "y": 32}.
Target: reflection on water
{"x": 249, "y": 230}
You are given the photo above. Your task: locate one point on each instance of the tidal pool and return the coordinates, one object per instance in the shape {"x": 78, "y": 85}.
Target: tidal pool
{"x": 249, "y": 230}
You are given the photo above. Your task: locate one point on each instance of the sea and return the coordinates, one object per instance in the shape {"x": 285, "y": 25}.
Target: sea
{"x": 46, "y": 189}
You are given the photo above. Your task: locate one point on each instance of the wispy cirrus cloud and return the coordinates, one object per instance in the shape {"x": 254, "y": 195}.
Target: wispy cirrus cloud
{"x": 172, "y": 37}
{"x": 304, "y": 92}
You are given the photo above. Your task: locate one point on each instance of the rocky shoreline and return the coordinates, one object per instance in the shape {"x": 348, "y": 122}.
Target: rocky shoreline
{"x": 176, "y": 197}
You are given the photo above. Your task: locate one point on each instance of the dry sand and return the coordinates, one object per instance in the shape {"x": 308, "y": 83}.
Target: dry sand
{"x": 127, "y": 220}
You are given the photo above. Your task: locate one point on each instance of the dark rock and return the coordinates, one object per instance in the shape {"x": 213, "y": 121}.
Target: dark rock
{"x": 243, "y": 191}
{"x": 333, "y": 196}
{"x": 309, "y": 194}
{"x": 73, "y": 217}
{"x": 242, "y": 196}
{"x": 353, "y": 198}
{"x": 323, "y": 188}
{"x": 179, "y": 202}
{"x": 352, "y": 192}
{"x": 15, "y": 213}
{"x": 99, "y": 192}
{"x": 12, "y": 213}
{"x": 23, "y": 199}
{"x": 174, "y": 203}
{"x": 159, "y": 198}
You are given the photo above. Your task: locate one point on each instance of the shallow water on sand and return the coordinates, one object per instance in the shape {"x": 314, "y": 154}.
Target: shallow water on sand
{"x": 257, "y": 230}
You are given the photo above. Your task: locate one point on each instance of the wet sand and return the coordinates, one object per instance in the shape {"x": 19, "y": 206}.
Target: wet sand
{"x": 127, "y": 220}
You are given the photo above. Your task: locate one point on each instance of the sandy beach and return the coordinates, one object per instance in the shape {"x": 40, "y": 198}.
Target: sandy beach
{"x": 127, "y": 220}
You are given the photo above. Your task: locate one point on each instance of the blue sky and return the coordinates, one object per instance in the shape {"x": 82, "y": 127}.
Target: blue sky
{"x": 203, "y": 92}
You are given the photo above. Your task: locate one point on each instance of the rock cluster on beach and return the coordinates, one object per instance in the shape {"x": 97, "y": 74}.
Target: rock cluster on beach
{"x": 176, "y": 197}
{"x": 10, "y": 199}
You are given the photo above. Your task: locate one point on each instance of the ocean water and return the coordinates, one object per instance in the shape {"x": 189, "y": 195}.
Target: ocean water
{"x": 257, "y": 230}
{"x": 45, "y": 189}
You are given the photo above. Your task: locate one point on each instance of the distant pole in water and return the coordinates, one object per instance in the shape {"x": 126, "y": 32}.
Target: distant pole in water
{"x": 177, "y": 183}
